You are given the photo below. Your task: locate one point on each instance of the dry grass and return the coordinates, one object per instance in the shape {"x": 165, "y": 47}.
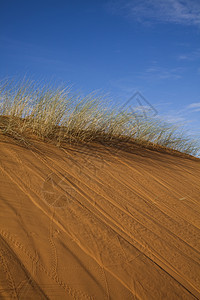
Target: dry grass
{"x": 56, "y": 114}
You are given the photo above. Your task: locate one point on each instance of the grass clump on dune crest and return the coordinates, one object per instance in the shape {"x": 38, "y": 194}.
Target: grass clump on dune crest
{"x": 56, "y": 114}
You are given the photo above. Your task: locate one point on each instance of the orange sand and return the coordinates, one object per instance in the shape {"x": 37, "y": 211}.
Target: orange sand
{"x": 85, "y": 223}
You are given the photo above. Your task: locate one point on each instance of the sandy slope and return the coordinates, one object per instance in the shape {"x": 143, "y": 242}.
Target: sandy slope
{"x": 80, "y": 223}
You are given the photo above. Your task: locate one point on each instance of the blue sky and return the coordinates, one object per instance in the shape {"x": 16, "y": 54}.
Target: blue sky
{"x": 118, "y": 47}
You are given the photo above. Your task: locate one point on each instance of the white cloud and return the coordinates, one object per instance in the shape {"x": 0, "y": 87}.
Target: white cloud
{"x": 183, "y": 57}
{"x": 184, "y": 118}
{"x": 159, "y": 73}
{"x": 162, "y": 11}
{"x": 194, "y": 107}
{"x": 194, "y": 55}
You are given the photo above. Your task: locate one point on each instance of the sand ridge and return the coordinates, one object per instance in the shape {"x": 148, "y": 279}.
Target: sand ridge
{"x": 78, "y": 223}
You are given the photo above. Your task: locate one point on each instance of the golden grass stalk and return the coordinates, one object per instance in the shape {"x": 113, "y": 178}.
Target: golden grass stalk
{"x": 56, "y": 114}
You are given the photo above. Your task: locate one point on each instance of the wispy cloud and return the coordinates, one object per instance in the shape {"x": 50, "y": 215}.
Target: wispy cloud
{"x": 162, "y": 11}
{"x": 194, "y": 55}
{"x": 194, "y": 107}
{"x": 185, "y": 118}
{"x": 159, "y": 73}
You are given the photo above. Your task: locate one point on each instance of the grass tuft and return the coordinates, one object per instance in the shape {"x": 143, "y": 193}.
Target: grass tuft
{"x": 56, "y": 114}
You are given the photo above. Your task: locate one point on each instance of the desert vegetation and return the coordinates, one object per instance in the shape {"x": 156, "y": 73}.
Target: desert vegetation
{"x": 55, "y": 113}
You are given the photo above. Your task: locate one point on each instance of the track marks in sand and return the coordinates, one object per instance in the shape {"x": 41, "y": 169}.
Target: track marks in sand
{"x": 170, "y": 237}
{"x": 75, "y": 293}
{"x": 18, "y": 283}
{"x": 170, "y": 173}
{"x": 7, "y": 281}
{"x": 118, "y": 230}
{"x": 54, "y": 256}
{"x": 134, "y": 205}
{"x": 145, "y": 246}
{"x": 28, "y": 190}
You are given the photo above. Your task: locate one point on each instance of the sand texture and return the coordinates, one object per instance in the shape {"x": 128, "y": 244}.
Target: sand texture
{"x": 93, "y": 223}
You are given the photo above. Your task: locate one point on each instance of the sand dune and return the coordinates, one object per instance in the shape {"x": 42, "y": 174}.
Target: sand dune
{"x": 93, "y": 223}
